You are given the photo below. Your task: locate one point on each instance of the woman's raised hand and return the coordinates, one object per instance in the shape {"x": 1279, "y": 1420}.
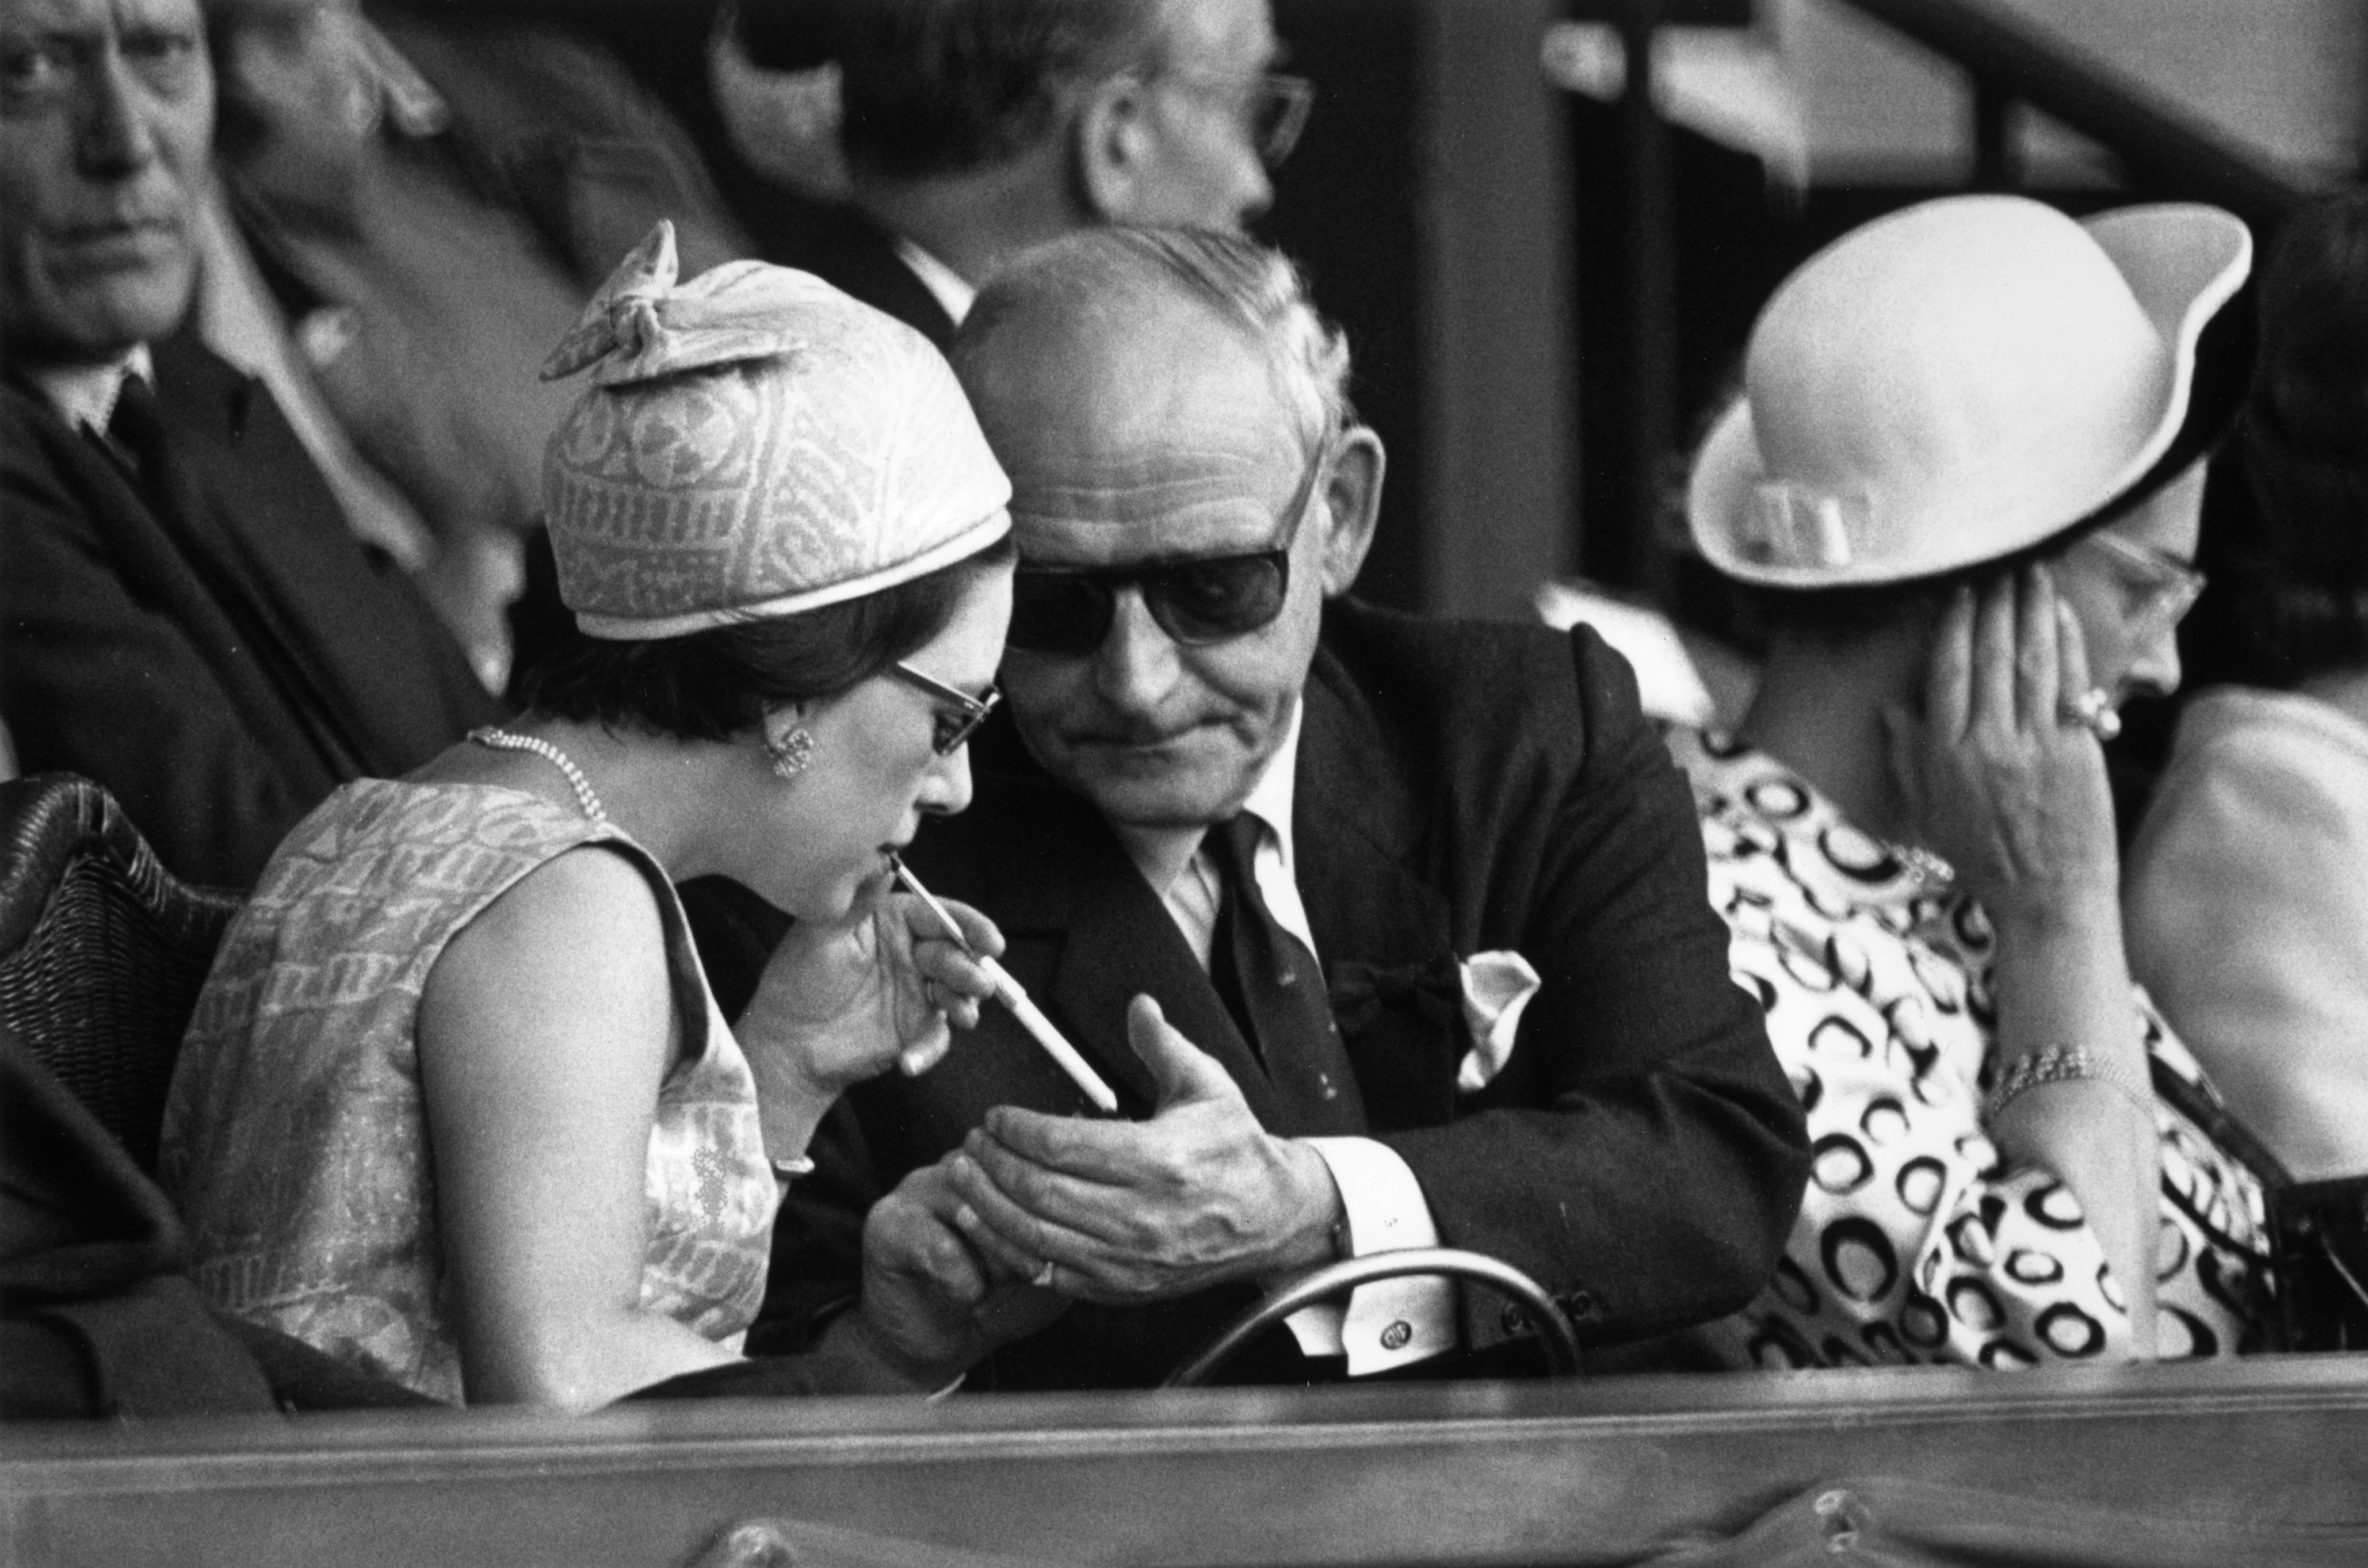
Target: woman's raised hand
{"x": 2001, "y": 778}
{"x": 841, "y": 1003}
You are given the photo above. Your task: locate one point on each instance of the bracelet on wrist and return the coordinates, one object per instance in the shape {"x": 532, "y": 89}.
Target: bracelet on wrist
{"x": 2064, "y": 1065}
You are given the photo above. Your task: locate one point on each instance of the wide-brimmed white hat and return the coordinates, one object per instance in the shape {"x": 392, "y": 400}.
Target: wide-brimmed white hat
{"x": 1957, "y": 381}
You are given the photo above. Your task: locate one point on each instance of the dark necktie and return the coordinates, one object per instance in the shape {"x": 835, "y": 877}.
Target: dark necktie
{"x": 137, "y": 436}
{"x": 135, "y": 431}
{"x": 1275, "y": 991}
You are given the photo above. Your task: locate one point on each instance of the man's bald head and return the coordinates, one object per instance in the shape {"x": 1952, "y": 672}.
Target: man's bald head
{"x": 1172, "y": 413}
{"x": 1116, "y": 312}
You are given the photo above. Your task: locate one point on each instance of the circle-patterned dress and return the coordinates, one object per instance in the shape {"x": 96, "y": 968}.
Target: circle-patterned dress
{"x": 1916, "y": 1241}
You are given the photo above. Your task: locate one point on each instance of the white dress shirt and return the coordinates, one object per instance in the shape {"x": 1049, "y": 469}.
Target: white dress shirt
{"x": 1395, "y": 1321}
{"x": 84, "y": 395}
{"x": 953, "y": 291}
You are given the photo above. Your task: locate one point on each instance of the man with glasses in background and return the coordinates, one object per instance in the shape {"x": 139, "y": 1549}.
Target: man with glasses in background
{"x": 1417, "y": 906}
{"x": 972, "y": 130}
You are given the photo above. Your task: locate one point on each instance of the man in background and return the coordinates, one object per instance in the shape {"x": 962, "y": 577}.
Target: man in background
{"x": 971, "y": 130}
{"x": 185, "y": 616}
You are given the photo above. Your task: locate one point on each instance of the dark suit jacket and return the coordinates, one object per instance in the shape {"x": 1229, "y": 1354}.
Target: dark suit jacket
{"x": 1462, "y": 788}
{"x": 220, "y": 652}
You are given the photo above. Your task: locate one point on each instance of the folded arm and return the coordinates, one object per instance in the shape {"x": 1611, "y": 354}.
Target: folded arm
{"x": 1641, "y": 1153}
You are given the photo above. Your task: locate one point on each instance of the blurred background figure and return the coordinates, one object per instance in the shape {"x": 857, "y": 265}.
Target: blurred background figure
{"x": 967, "y": 131}
{"x": 418, "y": 202}
{"x": 2247, "y": 888}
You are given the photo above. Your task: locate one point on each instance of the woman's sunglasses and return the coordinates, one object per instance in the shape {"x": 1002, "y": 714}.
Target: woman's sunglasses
{"x": 957, "y": 712}
{"x": 1068, "y": 612}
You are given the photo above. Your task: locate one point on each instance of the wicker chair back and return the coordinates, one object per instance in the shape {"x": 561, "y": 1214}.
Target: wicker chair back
{"x": 102, "y": 950}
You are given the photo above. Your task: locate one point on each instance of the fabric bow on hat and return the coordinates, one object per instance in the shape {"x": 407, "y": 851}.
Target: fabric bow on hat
{"x": 640, "y": 326}
{"x": 755, "y": 444}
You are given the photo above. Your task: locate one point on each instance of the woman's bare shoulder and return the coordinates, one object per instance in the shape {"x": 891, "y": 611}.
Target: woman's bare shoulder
{"x": 578, "y": 941}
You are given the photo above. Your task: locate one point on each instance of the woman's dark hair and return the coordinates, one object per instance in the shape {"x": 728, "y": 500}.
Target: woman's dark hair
{"x": 2285, "y": 531}
{"x": 715, "y": 684}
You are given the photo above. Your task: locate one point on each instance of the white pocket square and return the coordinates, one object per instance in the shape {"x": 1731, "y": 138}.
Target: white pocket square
{"x": 1496, "y": 986}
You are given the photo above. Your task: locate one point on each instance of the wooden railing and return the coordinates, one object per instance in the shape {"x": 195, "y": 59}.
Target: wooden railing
{"x": 2257, "y": 1462}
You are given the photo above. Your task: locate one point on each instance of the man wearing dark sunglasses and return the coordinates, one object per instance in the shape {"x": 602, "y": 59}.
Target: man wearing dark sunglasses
{"x": 1419, "y": 903}
{"x": 974, "y": 129}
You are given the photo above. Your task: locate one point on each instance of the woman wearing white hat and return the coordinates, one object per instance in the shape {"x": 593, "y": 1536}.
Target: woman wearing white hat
{"x": 456, "y": 1106}
{"x": 1962, "y": 484}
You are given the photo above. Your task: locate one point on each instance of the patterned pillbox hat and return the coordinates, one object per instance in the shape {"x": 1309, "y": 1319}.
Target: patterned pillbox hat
{"x": 755, "y": 443}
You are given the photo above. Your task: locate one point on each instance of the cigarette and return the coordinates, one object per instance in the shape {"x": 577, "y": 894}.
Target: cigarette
{"x": 1009, "y": 991}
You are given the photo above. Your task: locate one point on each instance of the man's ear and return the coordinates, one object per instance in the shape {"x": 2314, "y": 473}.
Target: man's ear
{"x": 1353, "y": 505}
{"x": 1110, "y": 143}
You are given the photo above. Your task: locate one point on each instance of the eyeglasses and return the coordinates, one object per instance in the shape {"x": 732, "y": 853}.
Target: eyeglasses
{"x": 1066, "y": 612}
{"x": 1274, "y": 106}
{"x": 2157, "y": 589}
{"x": 962, "y": 714}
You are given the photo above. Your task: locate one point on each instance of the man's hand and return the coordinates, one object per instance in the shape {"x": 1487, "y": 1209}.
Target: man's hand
{"x": 1137, "y": 1211}
{"x": 932, "y": 1306}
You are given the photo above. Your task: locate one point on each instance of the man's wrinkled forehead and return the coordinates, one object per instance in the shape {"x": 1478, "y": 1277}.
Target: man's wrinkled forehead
{"x": 1189, "y": 493}
{"x": 1163, "y": 440}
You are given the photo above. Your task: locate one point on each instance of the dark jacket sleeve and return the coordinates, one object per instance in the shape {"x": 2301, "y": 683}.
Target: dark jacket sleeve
{"x": 1642, "y": 1153}
{"x": 99, "y": 683}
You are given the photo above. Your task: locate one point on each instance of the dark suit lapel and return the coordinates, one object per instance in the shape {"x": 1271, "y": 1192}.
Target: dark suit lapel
{"x": 1134, "y": 946}
{"x": 1088, "y": 934}
{"x": 383, "y": 685}
{"x": 1383, "y": 934}
{"x": 172, "y": 553}
{"x": 214, "y": 508}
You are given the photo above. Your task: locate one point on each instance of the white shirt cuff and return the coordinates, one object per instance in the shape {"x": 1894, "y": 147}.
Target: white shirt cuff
{"x": 1393, "y": 1322}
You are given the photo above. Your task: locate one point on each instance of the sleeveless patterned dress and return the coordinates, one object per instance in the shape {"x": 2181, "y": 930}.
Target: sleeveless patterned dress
{"x": 1916, "y": 1241}
{"x": 295, "y": 1139}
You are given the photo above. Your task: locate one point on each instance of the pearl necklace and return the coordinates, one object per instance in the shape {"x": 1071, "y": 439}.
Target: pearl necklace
{"x": 504, "y": 740}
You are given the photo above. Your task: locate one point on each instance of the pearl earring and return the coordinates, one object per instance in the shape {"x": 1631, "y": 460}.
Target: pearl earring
{"x": 791, "y": 753}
